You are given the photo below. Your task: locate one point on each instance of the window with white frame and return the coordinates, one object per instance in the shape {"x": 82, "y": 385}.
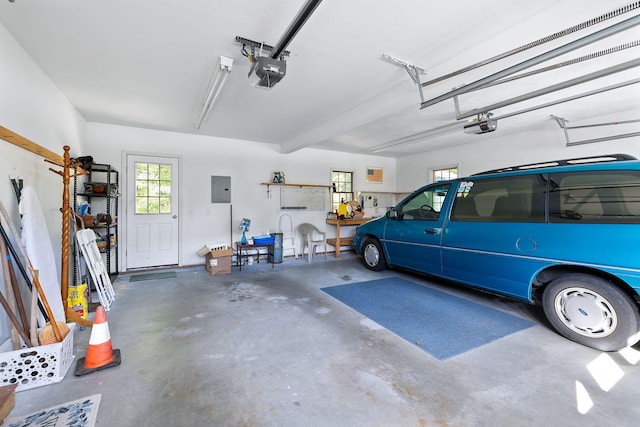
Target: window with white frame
{"x": 444, "y": 174}
{"x": 342, "y": 188}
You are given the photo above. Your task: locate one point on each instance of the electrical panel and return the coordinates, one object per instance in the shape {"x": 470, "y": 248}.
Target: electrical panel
{"x": 220, "y": 189}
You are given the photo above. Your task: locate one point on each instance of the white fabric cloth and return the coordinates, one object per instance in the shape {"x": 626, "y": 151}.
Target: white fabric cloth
{"x": 37, "y": 244}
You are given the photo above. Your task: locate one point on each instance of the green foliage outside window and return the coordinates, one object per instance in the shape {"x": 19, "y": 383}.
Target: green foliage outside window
{"x": 153, "y": 188}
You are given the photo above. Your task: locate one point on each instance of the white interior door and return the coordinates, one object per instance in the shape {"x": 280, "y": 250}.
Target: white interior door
{"x": 152, "y": 211}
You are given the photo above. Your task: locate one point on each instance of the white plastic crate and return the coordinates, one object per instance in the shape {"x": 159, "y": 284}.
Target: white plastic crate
{"x": 33, "y": 367}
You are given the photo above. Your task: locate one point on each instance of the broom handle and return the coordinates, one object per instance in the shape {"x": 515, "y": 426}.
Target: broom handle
{"x": 14, "y": 321}
{"x": 43, "y": 298}
{"x": 16, "y": 292}
{"x": 9, "y": 303}
{"x": 35, "y": 302}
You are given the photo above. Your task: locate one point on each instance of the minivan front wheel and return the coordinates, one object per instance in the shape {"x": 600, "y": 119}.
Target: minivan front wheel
{"x": 590, "y": 311}
{"x": 373, "y": 256}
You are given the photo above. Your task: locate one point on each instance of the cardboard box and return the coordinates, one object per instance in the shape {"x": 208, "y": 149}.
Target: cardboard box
{"x": 218, "y": 261}
{"x": 218, "y": 253}
{"x": 214, "y": 247}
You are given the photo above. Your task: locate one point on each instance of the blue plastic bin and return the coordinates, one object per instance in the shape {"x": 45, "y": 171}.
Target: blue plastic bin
{"x": 264, "y": 240}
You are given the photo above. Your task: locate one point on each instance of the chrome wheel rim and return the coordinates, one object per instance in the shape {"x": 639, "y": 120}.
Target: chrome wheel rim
{"x": 585, "y": 312}
{"x": 371, "y": 255}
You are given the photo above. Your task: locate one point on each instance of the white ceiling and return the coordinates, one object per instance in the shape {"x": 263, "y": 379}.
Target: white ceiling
{"x": 147, "y": 63}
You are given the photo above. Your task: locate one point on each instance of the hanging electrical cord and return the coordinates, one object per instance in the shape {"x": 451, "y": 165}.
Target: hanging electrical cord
{"x": 604, "y": 17}
{"x": 250, "y": 56}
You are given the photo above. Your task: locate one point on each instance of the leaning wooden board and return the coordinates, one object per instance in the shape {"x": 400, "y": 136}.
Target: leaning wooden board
{"x": 7, "y": 400}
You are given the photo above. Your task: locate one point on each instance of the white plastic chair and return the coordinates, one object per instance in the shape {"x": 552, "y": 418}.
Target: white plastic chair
{"x": 311, "y": 238}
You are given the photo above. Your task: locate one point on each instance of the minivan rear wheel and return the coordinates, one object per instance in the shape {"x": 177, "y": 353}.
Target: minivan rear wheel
{"x": 591, "y": 311}
{"x": 373, "y": 256}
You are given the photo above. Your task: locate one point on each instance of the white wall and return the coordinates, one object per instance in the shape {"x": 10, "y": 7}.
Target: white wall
{"x": 248, "y": 164}
{"x": 32, "y": 106}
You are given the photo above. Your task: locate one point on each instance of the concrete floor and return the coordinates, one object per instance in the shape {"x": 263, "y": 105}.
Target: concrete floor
{"x": 266, "y": 347}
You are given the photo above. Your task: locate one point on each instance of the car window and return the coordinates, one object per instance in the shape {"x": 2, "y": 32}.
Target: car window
{"x": 508, "y": 199}
{"x": 425, "y": 205}
{"x": 595, "y": 197}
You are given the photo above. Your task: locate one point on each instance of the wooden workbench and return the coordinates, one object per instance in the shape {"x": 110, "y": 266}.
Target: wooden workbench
{"x": 343, "y": 241}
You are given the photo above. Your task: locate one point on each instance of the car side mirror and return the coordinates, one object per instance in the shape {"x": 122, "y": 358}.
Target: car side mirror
{"x": 392, "y": 214}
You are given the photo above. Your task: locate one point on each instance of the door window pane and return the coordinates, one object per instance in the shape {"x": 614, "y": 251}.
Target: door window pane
{"x": 153, "y": 188}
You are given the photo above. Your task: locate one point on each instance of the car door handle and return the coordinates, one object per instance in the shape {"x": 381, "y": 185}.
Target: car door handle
{"x": 432, "y": 230}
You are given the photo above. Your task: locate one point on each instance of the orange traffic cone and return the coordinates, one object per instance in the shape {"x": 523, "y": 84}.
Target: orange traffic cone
{"x": 99, "y": 353}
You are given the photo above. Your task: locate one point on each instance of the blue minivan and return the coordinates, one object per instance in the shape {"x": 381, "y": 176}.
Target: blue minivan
{"x": 563, "y": 234}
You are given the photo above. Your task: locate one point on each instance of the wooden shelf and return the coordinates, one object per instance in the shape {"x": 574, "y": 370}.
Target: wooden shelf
{"x": 344, "y": 241}
{"x": 347, "y": 222}
{"x": 385, "y": 192}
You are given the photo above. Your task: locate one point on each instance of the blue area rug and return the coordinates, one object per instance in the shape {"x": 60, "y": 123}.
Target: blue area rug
{"x": 441, "y": 324}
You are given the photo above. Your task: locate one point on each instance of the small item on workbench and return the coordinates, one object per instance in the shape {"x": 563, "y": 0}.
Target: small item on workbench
{"x": 342, "y": 210}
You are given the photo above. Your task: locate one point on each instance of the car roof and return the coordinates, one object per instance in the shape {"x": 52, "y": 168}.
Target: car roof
{"x": 603, "y": 162}
{"x": 574, "y": 162}
{"x": 594, "y": 163}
